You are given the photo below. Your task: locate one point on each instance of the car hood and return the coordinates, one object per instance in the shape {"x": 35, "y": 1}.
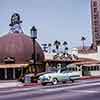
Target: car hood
{"x": 48, "y": 74}
{"x": 73, "y": 74}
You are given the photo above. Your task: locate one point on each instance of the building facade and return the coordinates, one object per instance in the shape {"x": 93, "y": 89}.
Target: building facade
{"x": 95, "y": 20}
{"x": 16, "y": 52}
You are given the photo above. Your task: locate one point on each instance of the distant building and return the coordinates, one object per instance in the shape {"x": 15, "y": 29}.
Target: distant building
{"x": 90, "y": 66}
{"x": 95, "y": 18}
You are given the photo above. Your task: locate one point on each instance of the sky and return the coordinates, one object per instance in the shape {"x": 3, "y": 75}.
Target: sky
{"x": 63, "y": 20}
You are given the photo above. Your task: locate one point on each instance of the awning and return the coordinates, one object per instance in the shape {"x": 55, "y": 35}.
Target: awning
{"x": 13, "y": 65}
{"x": 86, "y": 62}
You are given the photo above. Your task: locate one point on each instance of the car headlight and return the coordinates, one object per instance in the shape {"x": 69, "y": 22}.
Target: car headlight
{"x": 49, "y": 77}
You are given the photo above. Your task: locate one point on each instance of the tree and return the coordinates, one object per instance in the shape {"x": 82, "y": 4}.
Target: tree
{"x": 65, "y": 43}
{"x": 65, "y": 46}
{"x": 53, "y": 51}
{"x": 49, "y": 47}
{"x": 44, "y": 47}
{"x": 83, "y": 39}
{"x": 57, "y": 44}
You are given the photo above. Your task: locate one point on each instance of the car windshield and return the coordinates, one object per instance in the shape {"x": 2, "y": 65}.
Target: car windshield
{"x": 65, "y": 71}
{"x": 62, "y": 70}
{"x": 54, "y": 70}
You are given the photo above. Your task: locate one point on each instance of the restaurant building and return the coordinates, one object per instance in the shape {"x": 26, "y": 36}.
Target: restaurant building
{"x": 16, "y": 50}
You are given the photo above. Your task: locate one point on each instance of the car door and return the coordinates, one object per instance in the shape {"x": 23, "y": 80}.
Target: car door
{"x": 65, "y": 76}
{"x": 60, "y": 75}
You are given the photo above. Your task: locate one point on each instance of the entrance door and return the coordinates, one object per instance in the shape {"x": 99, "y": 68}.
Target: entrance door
{"x": 10, "y": 73}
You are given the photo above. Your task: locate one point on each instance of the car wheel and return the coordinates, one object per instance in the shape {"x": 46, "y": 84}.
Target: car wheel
{"x": 72, "y": 81}
{"x": 64, "y": 82}
{"x": 43, "y": 84}
{"x": 54, "y": 81}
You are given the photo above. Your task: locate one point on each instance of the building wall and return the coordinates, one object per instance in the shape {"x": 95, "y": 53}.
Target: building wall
{"x": 91, "y": 56}
{"x": 95, "y": 20}
{"x": 95, "y": 73}
{"x": 49, "y": 56}
{"x": 95, "y": 55}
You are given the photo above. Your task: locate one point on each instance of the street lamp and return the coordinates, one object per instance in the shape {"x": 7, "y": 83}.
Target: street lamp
{"x": 34, "y": 36}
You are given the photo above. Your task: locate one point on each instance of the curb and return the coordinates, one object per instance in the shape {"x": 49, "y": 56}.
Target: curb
{"x": 31, "y": 84}
{"x": 89, "y": 77}
{"x": 27, "y": 85}
{"x": 59, "y": 85}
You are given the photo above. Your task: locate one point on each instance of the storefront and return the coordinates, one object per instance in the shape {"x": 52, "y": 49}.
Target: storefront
{"x": 16, "y": 51}
{"x": 11, "y": 71}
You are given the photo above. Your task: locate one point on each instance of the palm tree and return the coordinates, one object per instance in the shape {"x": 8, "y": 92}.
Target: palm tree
{"x": 65, "y": 43}
{"x": 66, "y": 49}
{"x": 83, "y": 39}
{"x": 44, "y": 47}
{"x": 53, "y": 51}
{"x": 65, "y": 46}
{"x": 57, "y": 44}
{"x": 49, "y": 47}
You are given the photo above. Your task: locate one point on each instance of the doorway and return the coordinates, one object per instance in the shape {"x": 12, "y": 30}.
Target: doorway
{"x": 85, "y": 71}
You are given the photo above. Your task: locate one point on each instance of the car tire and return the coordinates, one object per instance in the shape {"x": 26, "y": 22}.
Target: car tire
{"x": 72, "y": 81}
{"x": 64, "y": 82}
{"x": 43, "y": 84}
{"x": 54, "y": 81}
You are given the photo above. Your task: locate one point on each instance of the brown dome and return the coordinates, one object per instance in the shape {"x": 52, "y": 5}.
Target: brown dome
{"x": 19, "y": 46}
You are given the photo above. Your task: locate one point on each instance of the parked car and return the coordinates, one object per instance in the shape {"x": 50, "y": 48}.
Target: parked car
{"x": 61, "y": 75}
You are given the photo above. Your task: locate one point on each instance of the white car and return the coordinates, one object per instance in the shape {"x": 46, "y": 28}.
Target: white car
{"x": 61, "y": 75}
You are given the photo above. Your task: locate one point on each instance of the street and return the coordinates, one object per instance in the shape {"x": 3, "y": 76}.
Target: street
{"x": 81, "y": 90}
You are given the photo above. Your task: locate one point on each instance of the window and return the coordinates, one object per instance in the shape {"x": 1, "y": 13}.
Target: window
{"x": 96, "y": 30}
{"x": 73, "y": 69}
{"x": 79, "y": 69}
{"x": 95, "y": 10}
{"x": 97, "y": 36}
{"x": 88, "y": 68}
{"x": 70, "y": 69}
{"x": 96, "y": 16}
{"x": 98, "y": 43}
{"x": 95, "y": 22}
{"x": 92, "y": 68}
{"x": 95, "y": 3}
{"x": 97, "y": 67}
{"x": 76, "y": 69}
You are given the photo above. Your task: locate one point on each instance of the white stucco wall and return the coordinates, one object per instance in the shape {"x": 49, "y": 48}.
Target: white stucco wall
{"x": 95, "y": 73}
{"x": 95, "y": 56}
{"x": 49, "y": 55}
{"x": 89, "y": 55}
{"x": 98, "y": 52}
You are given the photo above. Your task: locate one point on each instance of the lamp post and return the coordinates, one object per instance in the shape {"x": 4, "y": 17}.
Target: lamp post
{"x": 34, "y": 36}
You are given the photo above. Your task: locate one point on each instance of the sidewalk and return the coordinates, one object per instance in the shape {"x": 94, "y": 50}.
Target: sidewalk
{"x": 10, "y": 83}
{"x": 15, "y": 83}
{"x": 89, "y": 77}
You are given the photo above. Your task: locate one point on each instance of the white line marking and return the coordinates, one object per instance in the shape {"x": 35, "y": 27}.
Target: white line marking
{"x": 85, "y": 91}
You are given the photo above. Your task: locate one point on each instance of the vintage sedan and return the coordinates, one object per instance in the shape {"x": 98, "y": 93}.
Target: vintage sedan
{"x": 60, "y": 75}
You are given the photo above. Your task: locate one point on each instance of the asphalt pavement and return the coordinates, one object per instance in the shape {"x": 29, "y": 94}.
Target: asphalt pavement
{"x": 84, "y": 90}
